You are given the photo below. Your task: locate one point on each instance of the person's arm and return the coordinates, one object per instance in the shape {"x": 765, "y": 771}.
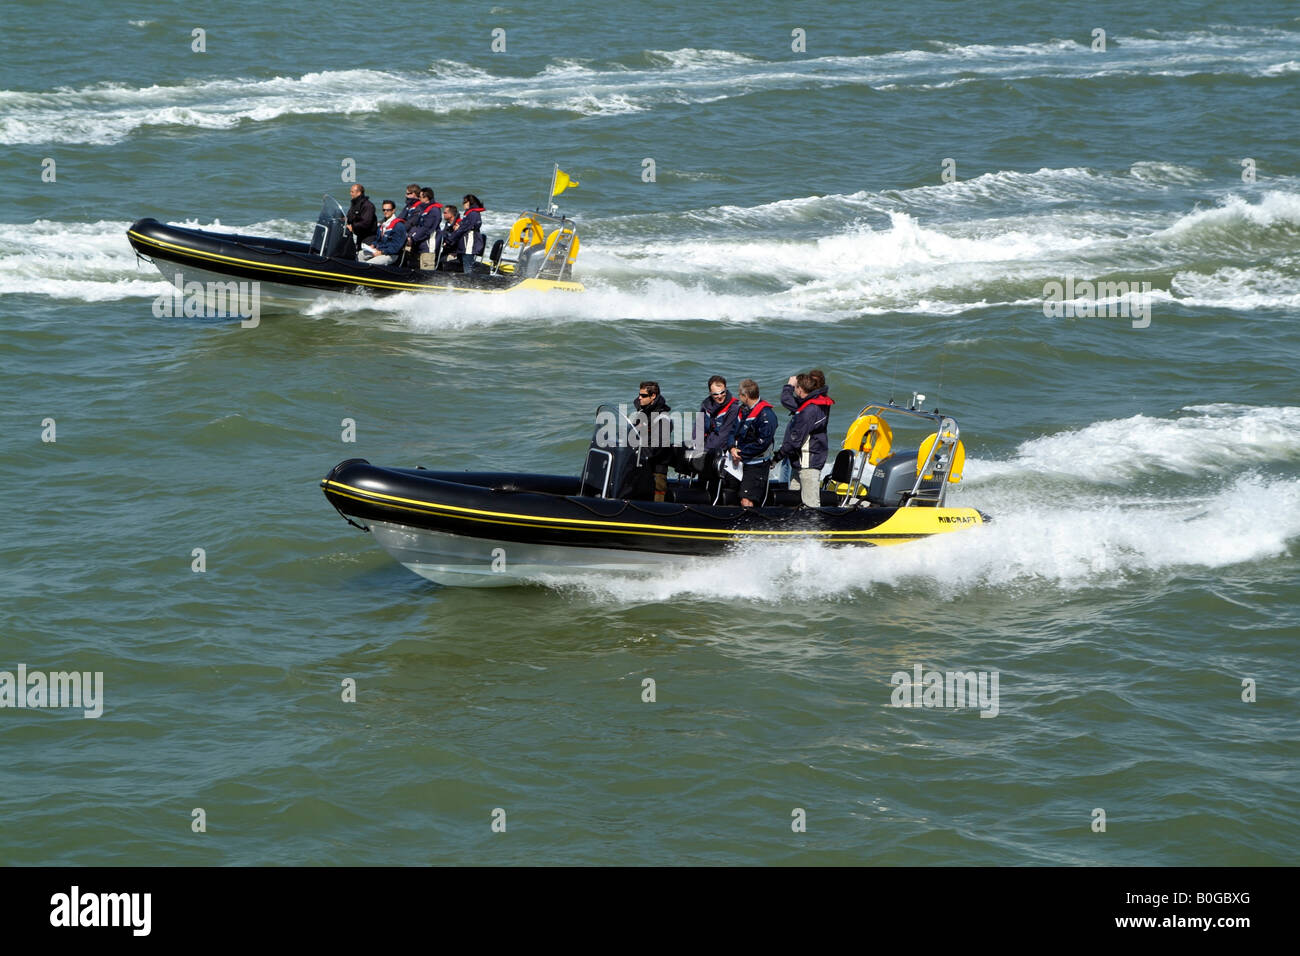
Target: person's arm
{"x": 788, "y": 398}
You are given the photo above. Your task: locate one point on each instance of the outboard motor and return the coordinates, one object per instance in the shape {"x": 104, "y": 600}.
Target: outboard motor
{"x": 530, "y": 262}
{"x": 330, "y": 237}
{"x": 893, "y": 477}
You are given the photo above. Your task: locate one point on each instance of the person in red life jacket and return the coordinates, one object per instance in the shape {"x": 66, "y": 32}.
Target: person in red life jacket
{"x": 408, "y": 213}
{"x": 390, "y": 239}
{"x": 467, "y": 238}
{"x": 805, "y": 444}
{"x": 447, "y": 258}
{"x": 718, "y": 413}
{"x": 361, "y": 221}
{"x": 430, "y": 219}
{"x": 751, "y": 439}
{"x": 648, "y": 478}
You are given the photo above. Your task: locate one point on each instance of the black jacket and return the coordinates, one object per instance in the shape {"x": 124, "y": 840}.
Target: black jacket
{"x": 362, "y": 218}
{"x": 657, "y": 450}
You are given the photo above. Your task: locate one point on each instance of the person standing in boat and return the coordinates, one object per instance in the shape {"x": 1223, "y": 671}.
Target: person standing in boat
{"x": 718, "y": 412}
{"x": 447, "y": 258}
{"x": 751, "y": 440}
{"x": 389, "y": 241}
{"x": 805, "y": 444}
{"x": 361, "y": 221}
{"x": 427, "y": 226}
{"x": 467, "y": 238}
{"x": 648, "y": 478}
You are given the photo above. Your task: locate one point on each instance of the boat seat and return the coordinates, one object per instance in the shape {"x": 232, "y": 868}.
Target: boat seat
{"x": 495, "y": 255}
{"x": 842, "y": 470}
{"x": 691, "y": 496}
{"x": 793, "y": 499}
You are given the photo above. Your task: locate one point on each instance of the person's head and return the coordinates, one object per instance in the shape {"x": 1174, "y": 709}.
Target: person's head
{"x": 818, "y": 378}
{"x": 749, "y": 392}
{"x": 449, "y": 213}
{"x": 471, "y": 201}
{"x": 718, "y": 389}
{"x": 803, "y": 384}
{"x": 388, "y": 208}
{"x": 647, "y": 393}
{"x": 412, "y": 192}
{"x": 426, "y": 194}
{"x": 357, "y": 190}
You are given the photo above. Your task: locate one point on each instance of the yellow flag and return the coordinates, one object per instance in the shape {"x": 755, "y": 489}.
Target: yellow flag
{"x": 563, "y": 182}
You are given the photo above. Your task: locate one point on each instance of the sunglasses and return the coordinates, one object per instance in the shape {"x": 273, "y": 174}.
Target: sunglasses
{"x": 718, "y": 394}
{"x": 645, "y": 394}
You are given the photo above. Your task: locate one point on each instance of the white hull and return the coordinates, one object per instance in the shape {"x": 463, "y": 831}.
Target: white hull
{"x": 487, "y": 563}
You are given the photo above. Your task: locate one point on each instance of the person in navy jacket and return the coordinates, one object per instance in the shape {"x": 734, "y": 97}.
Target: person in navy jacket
{"x": 718, "y": 413}
{"x": 389, "y": 241}
{"x": 806, "y": 445}
{"x": 467, "y": 240}
{"x": 410, "y": 211}
{"x": 751, "y": 441}
{"x": 425, "y": 228}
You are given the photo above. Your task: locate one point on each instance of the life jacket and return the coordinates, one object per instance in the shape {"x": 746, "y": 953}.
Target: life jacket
{"x": 386, "y": 227}
{"x": 714, "y": 417}
{"x": 819, "y": 400}
{"x": 745, "y": 423}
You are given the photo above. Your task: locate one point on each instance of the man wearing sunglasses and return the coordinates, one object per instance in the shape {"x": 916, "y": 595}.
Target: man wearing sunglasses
{"x": 648, "y": 479}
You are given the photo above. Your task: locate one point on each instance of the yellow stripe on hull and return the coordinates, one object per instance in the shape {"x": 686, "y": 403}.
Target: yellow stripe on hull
{"x": 903, "y": 525}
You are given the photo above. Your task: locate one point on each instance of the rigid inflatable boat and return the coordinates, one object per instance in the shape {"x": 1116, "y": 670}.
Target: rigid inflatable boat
{"x": 538, "y": 253}
{"x": 490, "y": 529}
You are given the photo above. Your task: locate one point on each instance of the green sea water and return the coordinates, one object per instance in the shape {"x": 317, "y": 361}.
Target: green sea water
{"x": 1139, "y": 577}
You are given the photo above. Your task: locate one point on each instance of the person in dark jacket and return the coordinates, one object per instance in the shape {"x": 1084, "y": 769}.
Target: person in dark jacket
{"x": 361, "y": 222}
{"x": 467, "y": 238}
{"x": 447, "y": 258}
{"x": 806, "y": 445}
{"x": 718, "y": 413}
{"x": 426, "y": 226}
{"x": 648, "y": 478}
{"x": 751, "y": 440}
{"x": 389, "y": 241}
{"x": 408, "y": 213}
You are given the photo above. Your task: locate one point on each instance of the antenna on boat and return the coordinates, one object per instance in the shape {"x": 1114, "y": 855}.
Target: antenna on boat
{"x": 938, "y": 395}
{"x": 894, "y": 379}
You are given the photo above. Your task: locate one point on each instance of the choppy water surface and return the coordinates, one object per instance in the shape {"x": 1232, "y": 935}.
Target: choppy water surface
{"x": 1145, "y": 481}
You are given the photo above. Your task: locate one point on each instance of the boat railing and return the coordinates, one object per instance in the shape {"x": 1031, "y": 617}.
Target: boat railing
{"x": 939, "y": 457}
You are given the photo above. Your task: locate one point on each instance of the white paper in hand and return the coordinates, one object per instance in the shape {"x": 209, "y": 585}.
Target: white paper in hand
{"x": 734, "y": 468}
